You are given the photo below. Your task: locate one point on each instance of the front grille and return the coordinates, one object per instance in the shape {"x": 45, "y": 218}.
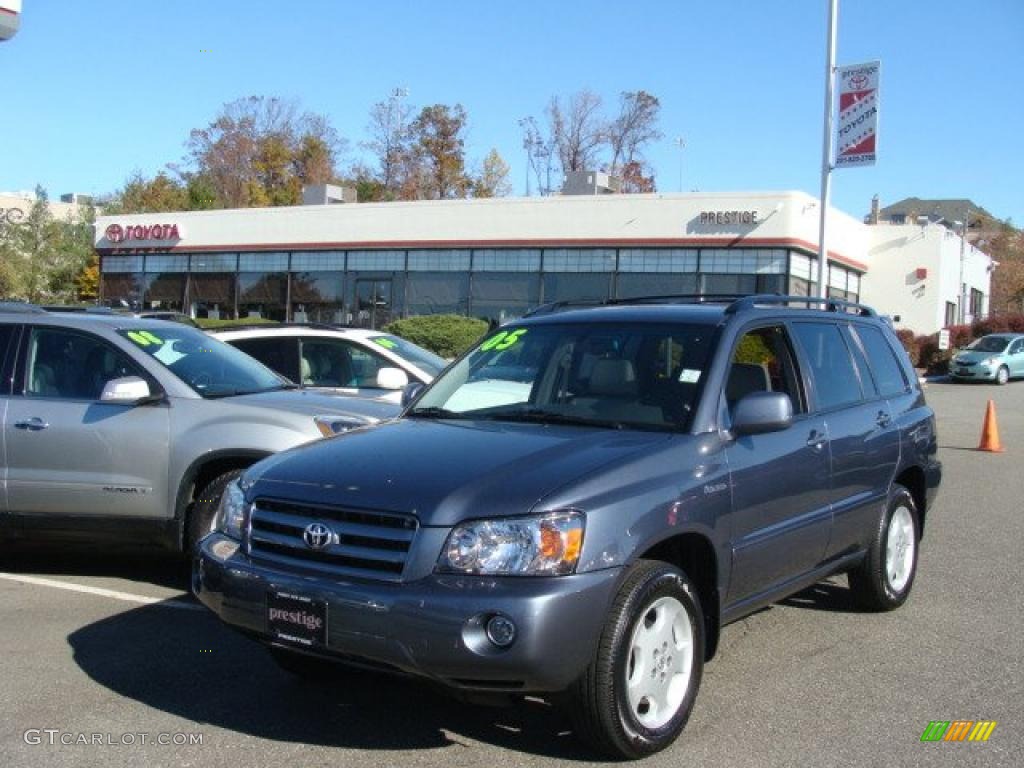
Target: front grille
{"x": 362, "y": 543}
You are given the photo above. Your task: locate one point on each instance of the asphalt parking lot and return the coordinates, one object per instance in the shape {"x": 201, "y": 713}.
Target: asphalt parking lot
{"x": 117, "y": 647}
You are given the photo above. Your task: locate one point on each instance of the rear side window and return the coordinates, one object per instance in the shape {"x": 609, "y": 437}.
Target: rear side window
{"x": 835, "y": 380}
{"x": 278, "y": 354}
{"x": 885, "y": 367}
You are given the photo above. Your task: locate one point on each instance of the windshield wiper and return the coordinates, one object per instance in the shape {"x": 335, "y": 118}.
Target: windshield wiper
{"x": 434, "y": 412}
{"x": 241, "y": 392}
{"x": 540, "y": 416}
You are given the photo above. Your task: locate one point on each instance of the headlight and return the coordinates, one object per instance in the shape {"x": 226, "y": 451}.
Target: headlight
{"x": 988, "y": 361}
{"x": 333, "y": 425}
{"x": 547, "y": 545}
{"x": 233, "y": 513}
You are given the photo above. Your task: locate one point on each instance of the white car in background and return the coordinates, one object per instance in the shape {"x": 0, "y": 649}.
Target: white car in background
{"x": 344, "y": 361}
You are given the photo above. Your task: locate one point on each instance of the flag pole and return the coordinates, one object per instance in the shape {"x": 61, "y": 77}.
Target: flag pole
{"x": 826, "y": 149}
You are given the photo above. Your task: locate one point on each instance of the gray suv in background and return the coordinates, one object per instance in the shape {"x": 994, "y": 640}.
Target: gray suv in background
{"x": 122, "y": 428}
{"x": 577, "y": 506}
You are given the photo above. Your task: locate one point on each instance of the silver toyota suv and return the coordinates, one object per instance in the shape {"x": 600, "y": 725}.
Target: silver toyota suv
{"x": 122, "y": 428}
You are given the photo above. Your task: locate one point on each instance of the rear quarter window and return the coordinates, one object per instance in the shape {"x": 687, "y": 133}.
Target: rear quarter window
{"x": 885, "y": 367}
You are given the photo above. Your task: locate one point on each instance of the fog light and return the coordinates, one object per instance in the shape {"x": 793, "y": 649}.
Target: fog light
{"x": 501, "y": 631}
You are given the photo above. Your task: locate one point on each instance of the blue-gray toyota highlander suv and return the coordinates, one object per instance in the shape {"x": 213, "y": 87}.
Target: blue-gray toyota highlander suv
{"x": 578, "y": 505}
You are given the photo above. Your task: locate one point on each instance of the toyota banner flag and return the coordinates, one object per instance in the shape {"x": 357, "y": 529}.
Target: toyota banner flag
{"x": 857, "y": 127}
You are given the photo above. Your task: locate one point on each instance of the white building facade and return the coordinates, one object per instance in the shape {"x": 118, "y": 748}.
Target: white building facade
{"x": 367, "y": 263}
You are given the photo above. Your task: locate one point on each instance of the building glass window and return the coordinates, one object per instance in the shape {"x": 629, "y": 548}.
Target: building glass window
{"x": 164, "y": 290}
{"x": 565, "y": 286}
{"x": 579, "y": 260}
{"x": 950, "y": 314}
{"x": 374, "y": 298}
{"x": 263, "y": 262}
{"x": 318, "y": 297}
{"x": 122, "y": 289}
{"x": 167, "y": 262}
{"x": 657, "y": 260}
{"x": 763, "y": 261}
{"x": 499, "y": 296}
{"x": 263, "y": 295}
{"x": 439, "y": 261}
{"x": 214, "y": 262}
{"x": 653, "y": 284}
{"x": 977, "y": 303}
{"x": 122, "y": 264}
{"x": 376, "y": 260}
{"x": 437, "y": 293}
{"x": 318, "y": 261}
{"x": 506, "y": 260}
{"x": 728, "y": 284}
{"x": 212, "y": 295}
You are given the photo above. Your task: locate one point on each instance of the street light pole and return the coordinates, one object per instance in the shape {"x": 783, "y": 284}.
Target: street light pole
{"x": 681, "y": 143}
{"x": 962, "y": 314}
{"x": 826, "y": 149}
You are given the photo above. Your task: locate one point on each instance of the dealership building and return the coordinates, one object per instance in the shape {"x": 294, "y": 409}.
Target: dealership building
{"x": 367, "y": 263}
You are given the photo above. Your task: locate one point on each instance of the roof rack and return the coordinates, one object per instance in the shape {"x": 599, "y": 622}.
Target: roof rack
{"x": 21, "y": 307}
{"x": 830, "y": 304}
{"x": 668, "y": 298}
{"x": 274, "y": 326}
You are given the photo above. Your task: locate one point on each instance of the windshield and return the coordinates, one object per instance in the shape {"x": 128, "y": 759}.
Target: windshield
{"x": 423, "y": 359}
{"x": 989, "y": 344}
{"x": 210, "y": 367}
{"x": 641, "y": 376}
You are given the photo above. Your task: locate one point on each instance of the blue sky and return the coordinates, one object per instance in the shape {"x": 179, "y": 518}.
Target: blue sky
{"x": 95, "y": 90}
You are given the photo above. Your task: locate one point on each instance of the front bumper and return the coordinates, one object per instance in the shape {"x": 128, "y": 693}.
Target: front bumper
{"x": 431, "y": 627}
{"x": 974, "y": 372}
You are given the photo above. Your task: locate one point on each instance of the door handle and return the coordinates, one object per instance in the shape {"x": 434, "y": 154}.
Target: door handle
{"x": 817, "y": 440}
{"x": 883, "y": 419}
{"x": 35, "y": 424}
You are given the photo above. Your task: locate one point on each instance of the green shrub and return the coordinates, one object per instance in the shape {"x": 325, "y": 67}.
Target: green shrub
{"x": 205, "y": 322}
{"x": 444, "y": 335}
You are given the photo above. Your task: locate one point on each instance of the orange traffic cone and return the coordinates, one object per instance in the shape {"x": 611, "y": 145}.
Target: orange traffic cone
{"x": 990, "y": 431}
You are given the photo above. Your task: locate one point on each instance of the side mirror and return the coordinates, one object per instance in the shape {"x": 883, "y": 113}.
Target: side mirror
{"x": 129, "y": 390}
{"x": 392, "y": 378}
{"x": 761, "y": 412}
{"x": 411, "y": 392}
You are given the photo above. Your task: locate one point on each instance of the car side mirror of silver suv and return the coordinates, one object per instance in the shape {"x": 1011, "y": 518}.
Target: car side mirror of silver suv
{"x": 129, "y": 390}
{"x": 392, "y": 378}
{"x": 761, "y": 412}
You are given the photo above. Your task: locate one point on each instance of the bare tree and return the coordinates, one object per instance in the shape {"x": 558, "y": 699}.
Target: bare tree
{"x": 635, "y": 127}
{"x": 539, "y": 156}
{"x": 390, "y": 139}
{"x": 577, "y": 130}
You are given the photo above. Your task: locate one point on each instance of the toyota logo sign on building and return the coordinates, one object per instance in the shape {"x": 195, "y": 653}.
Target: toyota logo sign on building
{"x": 119, "y": 234}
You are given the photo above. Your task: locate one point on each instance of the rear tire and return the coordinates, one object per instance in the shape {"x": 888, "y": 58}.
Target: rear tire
{"x": 637, "y": 693}
{"x": 884, "y": 580}
{"x": 204, "y": 510}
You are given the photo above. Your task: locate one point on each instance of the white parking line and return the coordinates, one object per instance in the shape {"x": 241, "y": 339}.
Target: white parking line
{"x": 127, "y": 597}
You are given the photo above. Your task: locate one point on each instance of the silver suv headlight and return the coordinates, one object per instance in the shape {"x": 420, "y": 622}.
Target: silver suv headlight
{"x": 335, "y": 425}
{"x": 233, "y": 513}
{"x": 545, "y": 545}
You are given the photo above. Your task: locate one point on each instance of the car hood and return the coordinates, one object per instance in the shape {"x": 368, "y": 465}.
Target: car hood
{"x": 973, "y": 356}
{"x": 364, "y": 409}
{"x": 444, "y": 471}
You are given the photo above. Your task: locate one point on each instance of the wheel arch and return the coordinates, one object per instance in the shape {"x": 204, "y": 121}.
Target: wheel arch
{"x": 200, "y": 473}
{"x": 913, "y": 479}
{"x": 695, "y": 554}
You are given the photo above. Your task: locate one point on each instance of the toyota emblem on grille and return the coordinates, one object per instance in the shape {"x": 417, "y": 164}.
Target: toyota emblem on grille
{"x": 317, "y": 535}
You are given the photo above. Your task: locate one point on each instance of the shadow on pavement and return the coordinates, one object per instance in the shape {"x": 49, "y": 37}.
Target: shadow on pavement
{"x": 187, "y": 664}
{"x": 825, "y": 596}
{"x": 163, "y": 569}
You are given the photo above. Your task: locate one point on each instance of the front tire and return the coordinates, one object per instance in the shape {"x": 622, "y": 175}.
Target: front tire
{"x": 637, "y": 693}
{"x": 884, "y": 580}
{"x": 1002, "y": 375}
{"x": 204, "y": 510}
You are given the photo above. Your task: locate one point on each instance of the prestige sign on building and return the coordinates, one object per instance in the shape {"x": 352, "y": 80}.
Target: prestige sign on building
{"x": 857, "y": 127}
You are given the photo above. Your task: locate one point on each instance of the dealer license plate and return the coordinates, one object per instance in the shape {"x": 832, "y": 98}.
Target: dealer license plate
{"x": 296, "y": 618}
